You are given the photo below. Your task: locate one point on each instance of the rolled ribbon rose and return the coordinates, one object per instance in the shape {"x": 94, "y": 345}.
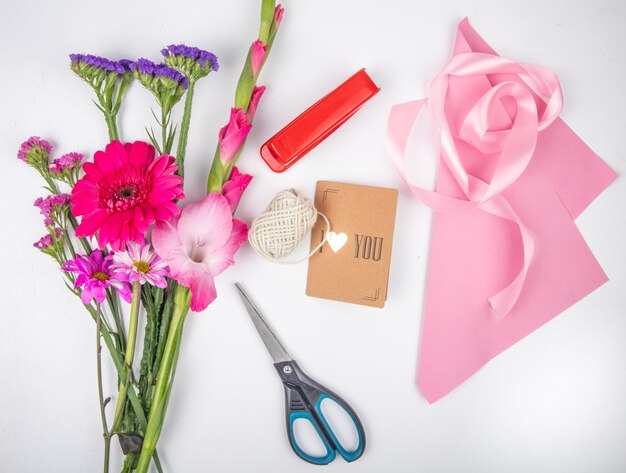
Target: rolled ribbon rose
{"x": 502, "y": 123}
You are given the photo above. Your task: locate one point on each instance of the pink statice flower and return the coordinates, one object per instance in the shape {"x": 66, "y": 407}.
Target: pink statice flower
{"x": 34, "y": 151}
{"x": 258, "y": 56}
{"x": 54, "y": 208}
{"x": 66, "y": 168}
{"x": 46, "y": 244}
{"x": 140, "y": 263}
{"x": 257, "y": 93}
{"x": 233, "y": 188}
{"x": 232, "y": 136}
{"x": 124, "y": 191}
{"x": 69, "y": 160}
{"x": 199, "y": 245}
{"x": 66, "y": 162}
{"x": 95, "y": 276}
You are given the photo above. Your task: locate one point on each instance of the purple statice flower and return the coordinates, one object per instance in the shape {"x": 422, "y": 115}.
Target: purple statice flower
{"x": 161, "y": 70}
{"x": 166, "y": 84}
{"x": 194, "y": 63}
{"x": 140, "y": 263}
{"x": 125, "y": 63}
{"x": 97, "y": 62}
{"x": 34, "y": 150}
{"x": 147, "y": 67}
{"x": 142, "y": 66}
{"x": 200, "y": 55}
{"x": 95, "y": 276}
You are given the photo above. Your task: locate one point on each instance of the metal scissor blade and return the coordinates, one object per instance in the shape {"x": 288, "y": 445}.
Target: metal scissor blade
{"x": 273, "y": 345}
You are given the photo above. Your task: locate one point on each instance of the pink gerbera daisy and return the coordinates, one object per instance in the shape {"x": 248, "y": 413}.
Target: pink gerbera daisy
{"x": 140, "y": 263}
{"x": 124, "y": 191}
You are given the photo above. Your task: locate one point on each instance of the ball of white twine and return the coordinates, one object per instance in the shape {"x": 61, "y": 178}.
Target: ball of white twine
{"x": 288, "y": 218}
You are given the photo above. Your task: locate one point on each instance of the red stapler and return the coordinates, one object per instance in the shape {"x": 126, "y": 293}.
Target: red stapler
{"x": 304, "y": 133}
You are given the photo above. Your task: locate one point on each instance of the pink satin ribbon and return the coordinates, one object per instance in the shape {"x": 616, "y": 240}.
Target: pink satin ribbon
{"x": 515, "y": 144}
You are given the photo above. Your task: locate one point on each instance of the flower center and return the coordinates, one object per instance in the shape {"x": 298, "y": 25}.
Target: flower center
{"x": 100, "y": 276}
{"x": 123, "y": 190}
{"x": 126, "y": 193}
{"x": 141, "y": 266}
{"x": 196, "y": 253}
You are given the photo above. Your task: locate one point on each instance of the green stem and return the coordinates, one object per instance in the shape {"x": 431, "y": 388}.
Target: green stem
{"x": 111, "y": 126}
{"x": 184, "y": 130}
{"x": 163, "y": 386}
{"x": 116, "y": 356}
{"x": 217, "y": 176}
{"x": 83, "y": 241}
{"x": 105, "y": 429}
{"x": 164, "y": 120}
{"x": 243, "y": 93}
{"x": 69, "y": 243}
{"x": 267, "y": 15}
{"x": 130, "y": 354}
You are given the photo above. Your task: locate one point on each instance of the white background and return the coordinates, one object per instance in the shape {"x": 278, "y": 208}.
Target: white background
{"x": 555, "y": 402}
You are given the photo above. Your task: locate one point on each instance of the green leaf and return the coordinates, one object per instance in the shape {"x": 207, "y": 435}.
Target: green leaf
{"x": 153, "y": 140}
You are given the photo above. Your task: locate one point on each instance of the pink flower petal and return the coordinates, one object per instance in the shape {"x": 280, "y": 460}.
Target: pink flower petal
{"x": 90, "y": 223}
{"x": 258, "y": 56}
{"x": 257, "y": 93}
{"x": 232, "y": 136}
{"x": 139, "y": 153}
{"x": 203, "y": 292}
{"x": 205, "y": 225}
{"x": 234, "y": 188}
{"x": 165, "y": 238}
{"x": 222, "y": 258}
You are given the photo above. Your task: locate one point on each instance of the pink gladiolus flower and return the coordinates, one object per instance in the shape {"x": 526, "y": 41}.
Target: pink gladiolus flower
{"x": 124, "y": 191}
{"x": 258, "y": 56}
{"x": 278, "y": 14}
{"x": 140, "y": 263}
{"x": 257, "y": 93}
{"x": 233, "y": 188}
{"x": 233, "y": 135}
{"x": 95, "y": 276}
{"x": 199, "y": 245}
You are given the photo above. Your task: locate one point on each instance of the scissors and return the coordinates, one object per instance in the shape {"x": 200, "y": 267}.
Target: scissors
{"x": 304, "y": 397}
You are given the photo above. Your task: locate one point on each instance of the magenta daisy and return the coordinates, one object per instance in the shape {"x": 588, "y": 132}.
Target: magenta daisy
{"x": 124, "y": 191}
{"x": 140, "y": 263}
{"x": 95, "y": 276}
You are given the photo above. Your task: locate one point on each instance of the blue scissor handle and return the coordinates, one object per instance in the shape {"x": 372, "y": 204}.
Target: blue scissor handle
{"x": 304, "y": 397}
{"x": 321, "y": 460}
{"x": 347, "y": 455}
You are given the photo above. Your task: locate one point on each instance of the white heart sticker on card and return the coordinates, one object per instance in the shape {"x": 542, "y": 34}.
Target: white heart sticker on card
{"x": 337, "y": 240}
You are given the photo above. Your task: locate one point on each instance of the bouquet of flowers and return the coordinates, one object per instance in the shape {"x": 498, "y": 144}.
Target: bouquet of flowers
{"x": 119, "y": 231}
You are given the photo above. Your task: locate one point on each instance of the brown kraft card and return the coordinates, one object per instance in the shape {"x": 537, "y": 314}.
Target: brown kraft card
{"x": 353, "y": 265}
